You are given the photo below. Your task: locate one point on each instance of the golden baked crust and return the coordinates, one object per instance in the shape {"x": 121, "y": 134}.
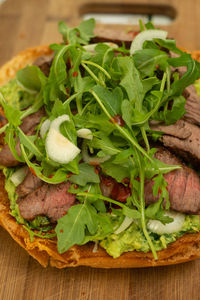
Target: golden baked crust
{"x": 26, "y": 57}
{"x": 45, "y": 250}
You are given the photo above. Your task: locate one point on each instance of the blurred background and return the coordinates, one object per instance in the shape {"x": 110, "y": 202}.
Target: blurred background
{"x": 28, "y": 23}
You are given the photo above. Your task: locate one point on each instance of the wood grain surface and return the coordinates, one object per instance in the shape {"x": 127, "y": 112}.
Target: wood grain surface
{"x": 33, "y": 22}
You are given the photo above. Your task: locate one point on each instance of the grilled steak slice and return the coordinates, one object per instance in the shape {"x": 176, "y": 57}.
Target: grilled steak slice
{"x": 30, "y": 122}
{"x": 28, "y": 127}
{"x": 183, "y": 186}
{"x": 29, "y": 184}
{"x": 49, "y": 200}
{"x": 6, "y": 157}
{"x": 182, "y": 138}
{"x": 111, "y": 188}
{"x": 192, "y": 105}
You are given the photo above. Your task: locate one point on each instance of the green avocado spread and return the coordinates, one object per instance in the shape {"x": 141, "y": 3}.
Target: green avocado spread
{"x": 15, "y": 96}
{"x": 133, "y": 238}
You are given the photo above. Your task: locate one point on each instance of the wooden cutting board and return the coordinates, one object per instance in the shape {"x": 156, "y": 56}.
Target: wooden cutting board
{"x": 27, "y": 23}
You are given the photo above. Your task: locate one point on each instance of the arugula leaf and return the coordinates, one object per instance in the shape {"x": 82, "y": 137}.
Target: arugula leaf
{"x": 158, "y": 167}
{"x": 111, "y": 100}
{"x": 169, "y": 44}
{"x": 79, "y": 35}
{"x": 118, "y": 172}
{"x": 58, "y": 109}
{"x": 139, "y": 117}
{"x": 193, "y": 73}
{"x": 28, "y": 142}
{"x": 94, "y": 188}
{"x": 131, "y": 81}
{"x": 34, "y": 107}
{"x": 104, "y": 143}
{"x": 148, "y": 83}
{"x": 105, "y": 227}
{"x": 127, "y": 112}
{"x": 31, "y": 79}
{"x": 86, "y": 174}
{"x": 153, "y": 209}
{"x": 131, "y": 213}
{"x": 170, "y": 116}
{"x": 68, "y": 130}
{"x": 57, "y": 177}
{"x": 70, "y": 229}
{"x": 11, "y": 138}
{"x": 146, "y": 61}
{"x": 93, "y": 121}
{"x": 105, "y": 55}
{"x": 12, "y": 114}
{"x": 177, "y": 110}
{"x": 149, "y": 25}
{"x": 159, "y": 186}
{"x": 86, "y": 29}
{"x": 123, "y": 156}
{"x": 155, "y": 212}
{"x": 54, "y": 87}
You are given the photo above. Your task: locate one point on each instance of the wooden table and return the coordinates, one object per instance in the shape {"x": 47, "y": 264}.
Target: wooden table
{"x": 27, "y": 23}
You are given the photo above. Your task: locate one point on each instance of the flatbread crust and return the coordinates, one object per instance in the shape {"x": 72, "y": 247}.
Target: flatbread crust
{"x": 45, "y": 251}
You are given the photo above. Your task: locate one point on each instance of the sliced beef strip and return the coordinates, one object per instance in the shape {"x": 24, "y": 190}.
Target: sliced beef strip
{"x": 111, "y": 188}
{"x": 28, "y": 127}
{"x": 182, "y": 138}
{"x": 6, "y": 157}
{"x": 29, "y": 184}
{"x": 183, "y": 186}
{"x": 31, "y": 121}
{"x": 192, "y": 105}
{"x": 106, "y": 35}
{"x": 49, "y": 200}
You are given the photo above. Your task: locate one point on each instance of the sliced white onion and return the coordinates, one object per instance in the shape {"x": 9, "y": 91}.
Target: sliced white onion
{"x": 58, "y": 147}
{"x": 18, "y": 176}
{"x": 146, "y": 35}
{"x": 44, "y": 127}
{"x": 175, "y": 226}
{"x": 95, "y": 249}
{"x": 91, "y": 47}
{"x": 58, "y": 121}
{"x": 85, "y": 133}
{"x": 125, "y": 224}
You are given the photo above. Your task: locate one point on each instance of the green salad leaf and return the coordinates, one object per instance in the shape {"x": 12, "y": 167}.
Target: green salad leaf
{"x": 86, "y": 174}
{"x": 71, "y": 228}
